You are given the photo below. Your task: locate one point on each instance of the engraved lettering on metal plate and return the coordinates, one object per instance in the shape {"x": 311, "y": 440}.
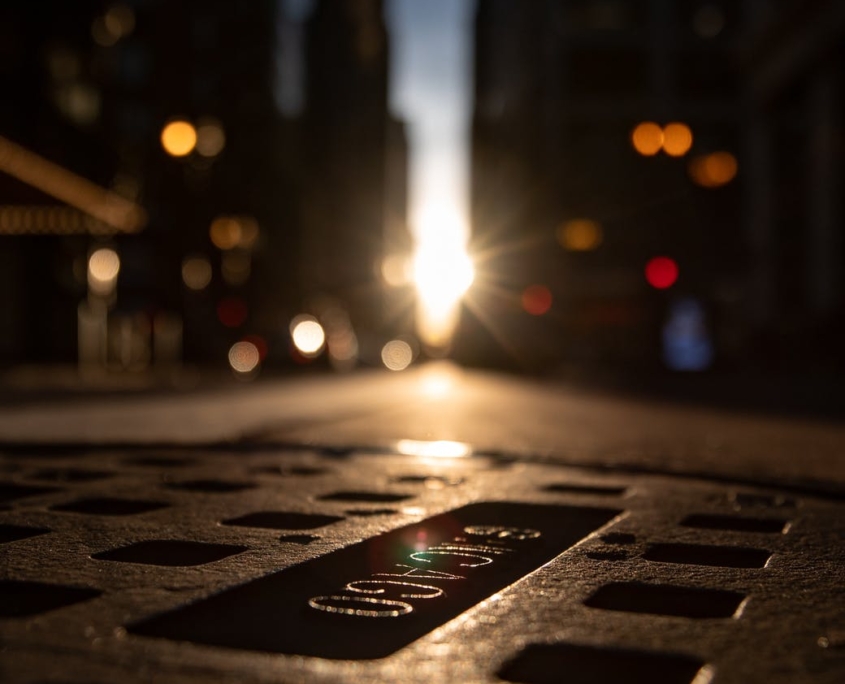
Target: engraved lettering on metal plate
{"x": 372, "y": 598}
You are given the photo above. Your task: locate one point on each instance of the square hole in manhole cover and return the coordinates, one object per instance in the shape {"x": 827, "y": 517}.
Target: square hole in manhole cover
{"x": 365, "y": 497}
{"x": 370, "y": 512}
{"x": 69, "y": 475}
{"x": 23, "y": 599}
{"x": 298, "y": 538}
{"x": 666, "y": 599}
{"x": 733, "y": 523}
{"x": 281, "y": 520}
{"x": 748, "y": 500}
{"x": 10, "y": 492}
{"x": 621, "y": 538}
{"x": 575, "y": 664}
{"x": 10, "y": 533}
{"x": 161, "y": 461}
{"x": 211, "y": 486}
{"x": 595, "y": 490}
{"x": 109, "y": 506}
{"x": 715, "y": 556}
{"x": 172, "y": 553}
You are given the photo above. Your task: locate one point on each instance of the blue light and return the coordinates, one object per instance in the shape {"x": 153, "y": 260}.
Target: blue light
{"x": 686, "y": 340}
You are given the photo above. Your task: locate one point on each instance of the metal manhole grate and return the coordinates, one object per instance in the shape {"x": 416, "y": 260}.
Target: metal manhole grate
{"x": 281, "y": 565}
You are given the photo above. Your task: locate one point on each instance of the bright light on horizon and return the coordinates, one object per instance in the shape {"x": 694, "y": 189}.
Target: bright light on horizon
{"x": 442, "y": 272}
{"x": 431, "y": 90}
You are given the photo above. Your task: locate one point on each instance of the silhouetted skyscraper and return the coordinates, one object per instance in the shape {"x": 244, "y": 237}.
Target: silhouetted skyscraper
{"x": 347, "y": 124}
{"x": 795, "y": 146}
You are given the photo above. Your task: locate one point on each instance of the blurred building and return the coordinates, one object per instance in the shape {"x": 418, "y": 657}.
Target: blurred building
{"x": 795, "y": 146}
{"x": 253, "y": 138}
{"x": 91, "y": 87}
{"x": 608, "y": 133}
{"x": 50, "y": 105}
{"x": 354, "y": 199}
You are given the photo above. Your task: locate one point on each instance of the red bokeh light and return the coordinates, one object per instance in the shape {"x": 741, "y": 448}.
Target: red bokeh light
{"x": 661, "y": 272}
{"x": 537, "y": 300}
{"x": 232, "y": 312}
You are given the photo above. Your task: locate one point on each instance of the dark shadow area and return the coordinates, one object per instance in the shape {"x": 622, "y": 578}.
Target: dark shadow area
{"x": 170, "y": 553}
{"x": 11, "y": 533}
{"x": 577, "y": 664}
{"x": 734, "y": 523}
{"x": 278, "y": 520}
{"x": 23, "y": 599}
{"x": 714, "y": 556}
{"x": 665, "y": 599}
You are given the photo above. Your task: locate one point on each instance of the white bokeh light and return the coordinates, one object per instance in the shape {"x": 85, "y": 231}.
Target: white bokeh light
{"x": 397, "y": 355}
{"x": 308, "y": 335}
{"x": 244, "y": 357}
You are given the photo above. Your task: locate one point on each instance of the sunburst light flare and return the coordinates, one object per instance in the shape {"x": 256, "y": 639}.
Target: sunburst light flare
{"x": 442, "y": 273}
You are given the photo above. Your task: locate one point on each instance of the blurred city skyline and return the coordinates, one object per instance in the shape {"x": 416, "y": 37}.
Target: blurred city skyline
{"x": 645, "y": 183}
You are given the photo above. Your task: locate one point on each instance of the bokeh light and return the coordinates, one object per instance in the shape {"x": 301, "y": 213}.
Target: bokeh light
{"x": 536, "y": 300}
{"x": 713, "y": 170}
{"x": 178, "y": 138}
{"x": 236, "y": 267}
{"x": 225, "y": 232}
{"x": 580, "y": 235}
{"x": 647, "y": 138}
{"x": 661, "y": 272}
{"x": 232, "y": 312}
{"x": 341, "y": 340}
{"x": 120, "y": 19}
{"x": 686, "y": 339}
{"x": 708, "y": 21}
{"x": 397, "y": 355}
{"x": 228, "y": 232}
{"x": 396, "y": 270}
{"x": 196, "y": 272}
{"x": 677, "y": 139}
{"x": 103, "y": 267}
{"x": 307, "y": 335}
{"x": 249, "y": 231}
{"x": 211, "y": 138}
{"x": 118, "y": 22}
{"x": 244, "y": 357}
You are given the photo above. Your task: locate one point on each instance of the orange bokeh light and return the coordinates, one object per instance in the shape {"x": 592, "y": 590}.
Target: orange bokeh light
{"x": 580, "y": 235}
{"x": 713, "y": 170}
{"x": 225, "y": 232}
{"x": 647, "y": 138}
{"x": 178, "y": 138}
{"x": 677, "y": 139}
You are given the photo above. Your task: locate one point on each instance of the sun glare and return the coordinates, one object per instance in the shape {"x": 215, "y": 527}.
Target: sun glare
{"x": 434, "y": 449}
{"x": 442, "y": 273}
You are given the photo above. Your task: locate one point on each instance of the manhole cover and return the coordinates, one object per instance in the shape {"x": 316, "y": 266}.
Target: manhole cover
{"x": 284, "y": 565}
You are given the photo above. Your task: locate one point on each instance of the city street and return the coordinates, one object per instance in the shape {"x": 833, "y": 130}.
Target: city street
{"x": 495, "y": 413}
{"x": 433, "y": 525}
